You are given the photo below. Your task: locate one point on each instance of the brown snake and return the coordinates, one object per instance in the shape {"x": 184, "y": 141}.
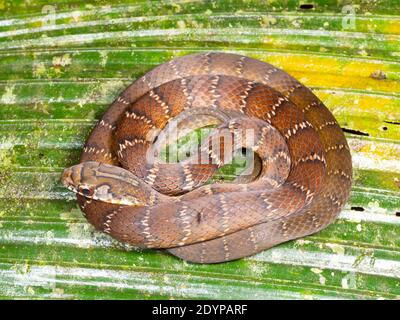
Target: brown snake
{"x": 303, "y": 183}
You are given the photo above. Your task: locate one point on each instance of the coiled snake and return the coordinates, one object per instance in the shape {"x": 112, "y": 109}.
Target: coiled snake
{"x": 303, "y": 183}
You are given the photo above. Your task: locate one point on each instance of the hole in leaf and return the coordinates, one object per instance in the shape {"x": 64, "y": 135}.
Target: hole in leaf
{"x": 392, "y": 122}
{"x": 357, "y": 132}
{"x": 357, "y": 208}
{"x": 398, "y": 214}
{"x": 306, "y": 6}
{"x": 384, "y": 128}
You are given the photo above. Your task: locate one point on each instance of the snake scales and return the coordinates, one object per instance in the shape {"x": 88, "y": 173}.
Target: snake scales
{"x": 303, "y": 183}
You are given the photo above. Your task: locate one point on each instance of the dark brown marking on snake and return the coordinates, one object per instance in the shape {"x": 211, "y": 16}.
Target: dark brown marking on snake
{"x": 199, "y": 216}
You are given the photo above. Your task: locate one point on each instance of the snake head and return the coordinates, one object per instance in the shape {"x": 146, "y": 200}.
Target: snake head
{"x": 74, "y": 181}
{"x": 106, "y": 183}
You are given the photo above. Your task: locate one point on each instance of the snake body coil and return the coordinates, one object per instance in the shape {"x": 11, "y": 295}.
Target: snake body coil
{"x": 303, "y": 183}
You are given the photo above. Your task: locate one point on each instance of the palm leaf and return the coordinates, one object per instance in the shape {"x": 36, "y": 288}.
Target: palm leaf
{"x": 63, "y": 62}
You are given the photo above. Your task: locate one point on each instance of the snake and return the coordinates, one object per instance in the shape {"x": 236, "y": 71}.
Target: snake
{"x": 299, "y": 182}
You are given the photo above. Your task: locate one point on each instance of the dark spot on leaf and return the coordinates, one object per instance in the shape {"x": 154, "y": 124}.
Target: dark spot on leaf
{"x": 357, "y": 208}
{"x": 384, "y": 128}
{"x": 398, "y": 214}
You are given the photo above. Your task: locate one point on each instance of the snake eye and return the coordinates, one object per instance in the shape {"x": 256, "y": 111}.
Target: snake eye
{"x": 85, "y": 191}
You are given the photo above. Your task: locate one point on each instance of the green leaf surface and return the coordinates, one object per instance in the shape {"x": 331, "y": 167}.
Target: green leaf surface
{"x": 62, "y": 63}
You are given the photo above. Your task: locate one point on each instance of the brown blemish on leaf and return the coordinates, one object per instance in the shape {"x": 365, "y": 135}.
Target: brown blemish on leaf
{"x": 378, "y": 75}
